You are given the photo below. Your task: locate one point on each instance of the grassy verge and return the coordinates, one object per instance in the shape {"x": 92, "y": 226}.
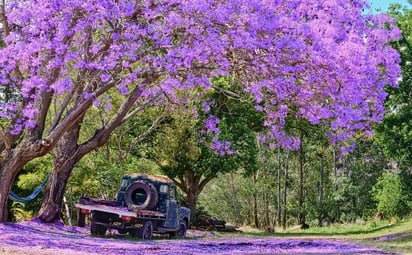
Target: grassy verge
{"x": 392, "y": 237}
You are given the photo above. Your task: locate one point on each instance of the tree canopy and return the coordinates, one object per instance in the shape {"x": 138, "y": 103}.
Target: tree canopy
{"x": 323, "y": 61}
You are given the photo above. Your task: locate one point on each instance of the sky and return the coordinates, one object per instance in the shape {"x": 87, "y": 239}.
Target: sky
{"x": 383, "y": 4}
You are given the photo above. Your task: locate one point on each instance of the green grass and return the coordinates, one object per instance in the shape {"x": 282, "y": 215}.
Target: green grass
{"x": 392, "y": 237}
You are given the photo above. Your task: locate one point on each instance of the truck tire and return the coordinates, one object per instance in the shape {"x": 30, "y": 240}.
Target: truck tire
{"x": 181, "y": 232}
{"x": 140, "y": 195}
{"x": 97, "y": 229}
{"x": 145, "y": 232}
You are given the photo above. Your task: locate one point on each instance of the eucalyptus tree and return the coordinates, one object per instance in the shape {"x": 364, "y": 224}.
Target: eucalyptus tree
{"x": 327, "y": 59}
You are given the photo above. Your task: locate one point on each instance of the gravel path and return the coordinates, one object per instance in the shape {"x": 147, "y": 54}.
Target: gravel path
{"x": 34, "y": 238}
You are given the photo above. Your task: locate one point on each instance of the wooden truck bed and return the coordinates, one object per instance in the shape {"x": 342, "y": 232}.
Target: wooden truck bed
{"x": 110, "y": 206}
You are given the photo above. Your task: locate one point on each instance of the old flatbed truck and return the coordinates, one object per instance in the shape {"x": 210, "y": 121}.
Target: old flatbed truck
{"x": 145, "y": 204}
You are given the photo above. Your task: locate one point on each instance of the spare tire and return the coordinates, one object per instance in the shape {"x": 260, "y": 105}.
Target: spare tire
{"x": 141, "y": 195}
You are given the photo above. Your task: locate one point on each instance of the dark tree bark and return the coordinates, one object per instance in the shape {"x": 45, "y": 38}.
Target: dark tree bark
{"x": 7, "y": 176}
{"x": 285, "y": 186}
{"x": 192, "y": 185}
{"x": 267, "y": 213}
{"x": 278, "y": 194}
{"x": 191, "y": 202}
{"x": 66, "y": 157}
{"x": 321, "y": 191}
{"x": 255, "y": 206}
{"x": 301, "y": 195}
{"x": 235, "y": 201}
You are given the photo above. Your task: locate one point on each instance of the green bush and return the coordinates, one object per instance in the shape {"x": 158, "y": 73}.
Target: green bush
{"x": 390, "y": 196}
{"x": 20, "y": 213}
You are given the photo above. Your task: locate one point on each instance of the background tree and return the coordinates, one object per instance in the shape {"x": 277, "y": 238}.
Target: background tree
{"x": 393, "y": 134}
{"x": 186, "y": 152}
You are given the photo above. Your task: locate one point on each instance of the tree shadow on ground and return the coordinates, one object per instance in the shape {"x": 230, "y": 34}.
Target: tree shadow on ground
{"x": 314, "y": 233}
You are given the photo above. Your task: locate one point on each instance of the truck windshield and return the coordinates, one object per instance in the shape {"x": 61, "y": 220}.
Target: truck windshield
{"x": 164, "y": 189}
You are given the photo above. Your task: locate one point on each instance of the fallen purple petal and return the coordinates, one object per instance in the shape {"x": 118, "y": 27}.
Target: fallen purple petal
{"x": 33, "y": 237}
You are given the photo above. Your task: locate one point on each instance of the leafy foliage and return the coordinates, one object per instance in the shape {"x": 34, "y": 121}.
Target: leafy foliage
{"x": 98, "y": 176}
{"x": 394, "y": 133}
{"x": 390, "y": 196}
{"x": 29, "y": 178}
{"x": 20, "y": 212}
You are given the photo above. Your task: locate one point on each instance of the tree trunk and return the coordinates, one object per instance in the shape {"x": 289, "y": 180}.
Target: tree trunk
{"x": 267, "y": 213}
{"x": 265, "y": 197}
{"x": 190, "y": 185}
{"x": 235, "y": 201}
{"x": 66, "y": 157}
{"x": 285, "y": 190}
{"x": 68, "y": 153}
{"x": 255, "y": 209}
{"x": 279, "y": 208}
{"x": 336, "y": 213}
{"x": 301, "y": 214}
{"x": 335, "y": 171}
{"x": 191, "y": 202}
{"x": 8, "y": 172}
{"x": 321, "y": 195}
{"x": 53, "y": 197}
{"x": 11, "y": 161}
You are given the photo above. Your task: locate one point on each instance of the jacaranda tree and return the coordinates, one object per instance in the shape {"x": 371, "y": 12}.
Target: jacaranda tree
{"x": 325, "y": 61}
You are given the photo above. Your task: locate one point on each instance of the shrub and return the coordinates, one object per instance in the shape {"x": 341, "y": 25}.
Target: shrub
{"x": 390, "y": 196}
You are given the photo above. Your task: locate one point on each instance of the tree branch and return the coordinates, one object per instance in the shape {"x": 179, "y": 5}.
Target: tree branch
{"x": 145, "y": 134}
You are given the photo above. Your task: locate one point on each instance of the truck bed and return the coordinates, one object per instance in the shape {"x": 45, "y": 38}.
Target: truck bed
{"x": 110, "y": 206}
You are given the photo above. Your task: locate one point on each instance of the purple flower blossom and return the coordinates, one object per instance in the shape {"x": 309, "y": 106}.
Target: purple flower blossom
{"x": 87, "y": 95}
{"x": 62, "y": 85}
{"x": 211, "y": 124}
{"x": 105, "y": 77}
{"x": 206, "y": 107}
{"x": 222, "y": 148}
{"x": 325, "y": 70}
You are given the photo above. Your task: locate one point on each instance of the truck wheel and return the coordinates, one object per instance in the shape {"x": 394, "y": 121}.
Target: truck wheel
{"x": 97, "y": 229}
{"x": 181, "y": 232}
{"x": 140, "y": 195}
{"x": 145, "y": 232}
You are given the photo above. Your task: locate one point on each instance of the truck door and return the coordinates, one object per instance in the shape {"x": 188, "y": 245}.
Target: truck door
{"x": 172, "y": 209}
